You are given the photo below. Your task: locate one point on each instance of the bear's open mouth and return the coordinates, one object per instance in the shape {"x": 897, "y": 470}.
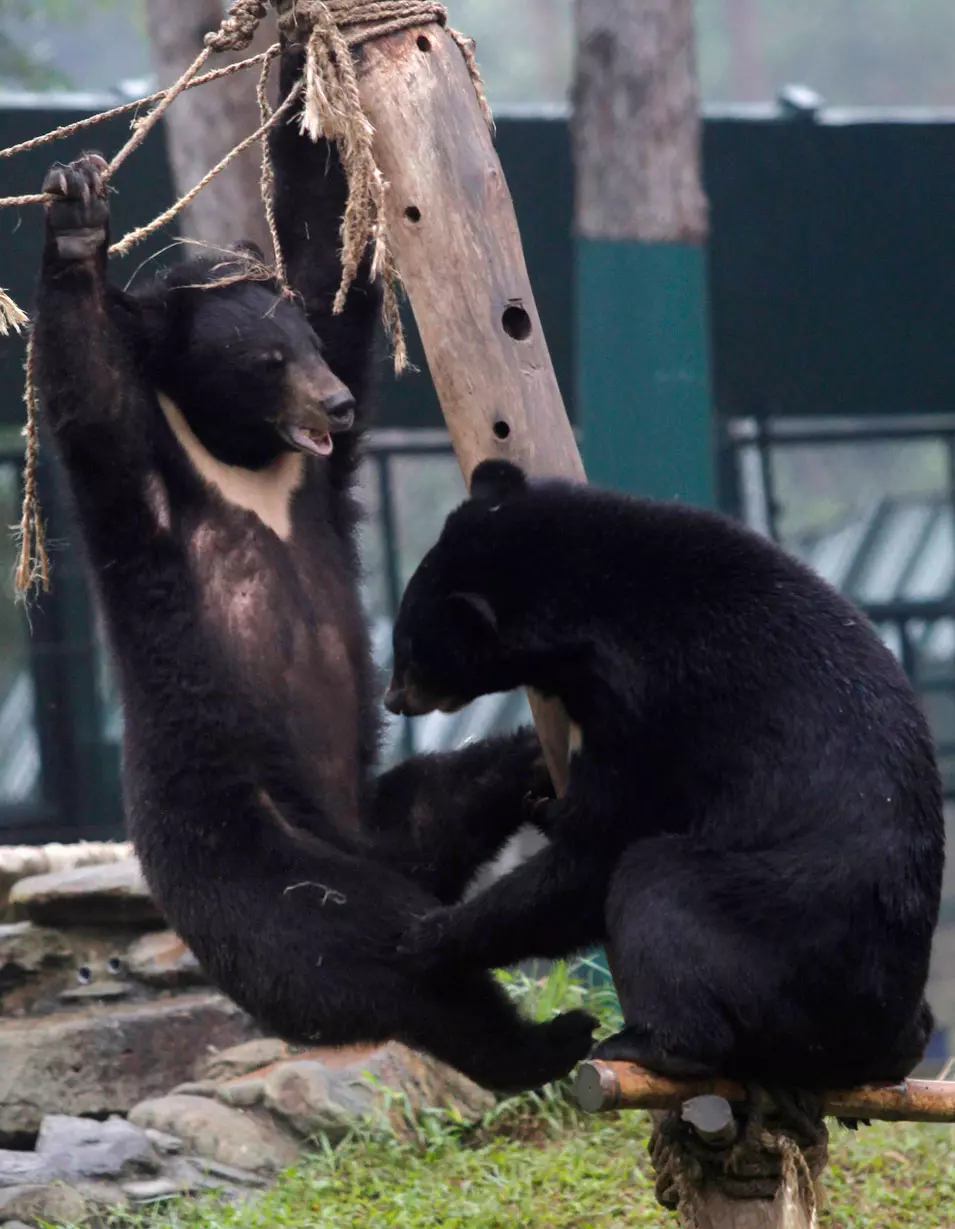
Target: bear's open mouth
{"x": 319, "y": 443}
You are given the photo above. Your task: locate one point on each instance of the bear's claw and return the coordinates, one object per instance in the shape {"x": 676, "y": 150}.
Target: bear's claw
{"x": 78, "y": 213}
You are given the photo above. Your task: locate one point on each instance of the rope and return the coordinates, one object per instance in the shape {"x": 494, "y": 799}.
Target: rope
{"x": 780, "y": 1153}
{"x": 69, "y": 130}
{"x": 267, "y": 181}
{"x": 125, "y": 245}
{"x": 33, "y": 564}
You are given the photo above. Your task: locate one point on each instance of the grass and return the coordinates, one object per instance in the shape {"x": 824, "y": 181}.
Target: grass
{"x": 537, "y": 1161}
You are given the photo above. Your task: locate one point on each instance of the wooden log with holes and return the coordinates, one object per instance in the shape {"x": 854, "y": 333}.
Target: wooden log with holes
{"x": 458, "y": 249}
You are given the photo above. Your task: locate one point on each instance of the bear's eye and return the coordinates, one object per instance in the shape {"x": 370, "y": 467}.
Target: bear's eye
{"x": 272, "y": 360}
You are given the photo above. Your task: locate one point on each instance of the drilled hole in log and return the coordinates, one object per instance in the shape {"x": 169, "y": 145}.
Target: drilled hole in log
{"x": 517, "y": 323}
{"x": 501, "y": 429}
{"x": 413, "y": 214}
{"x": 424, "y": 43}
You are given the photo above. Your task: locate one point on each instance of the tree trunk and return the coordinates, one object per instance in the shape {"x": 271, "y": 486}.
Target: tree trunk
{"x": 747, "y": 64}
{"x": 637, "y": 122}
{"x": 203, "y": 124}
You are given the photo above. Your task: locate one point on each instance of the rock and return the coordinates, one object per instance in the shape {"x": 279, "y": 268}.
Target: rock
{"x": 243, "y": 1093}
{"x": 188, "y": 1172}
{"x": 114, "y": 894}
{"x": 241, "y": 1059}
{"x": 81, "y": 1148}
{"x": 57, "y": 1205}
{"x": 301, "y": 1093}
{"x": 97, "y": 992}
{"x": 230, "y": 1173}
{"x": 219, "y": 1132}
{"x": 14, "y": 1224}
{"x": 106, "y": 1060}
{"x": 43, "y": 970}
{"x": 163, "y": 960}
{"x": 151, "y": 1189}
{"x": 27, "y": 950}
{"x": 328, "y": 1091}
{"x": 194, "y": 1088}
{"x": 22, "y": 861}
{"x": 102, "y": 1196}
{"x": 168, "y": 1145}
{"x": 19, "y": 1168}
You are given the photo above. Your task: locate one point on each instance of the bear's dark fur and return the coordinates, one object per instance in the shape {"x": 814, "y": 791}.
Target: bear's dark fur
{"x": 223, "y": 554}
{"x": 754, "y": 816}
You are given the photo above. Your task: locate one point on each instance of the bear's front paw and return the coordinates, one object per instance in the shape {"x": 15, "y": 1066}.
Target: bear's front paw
{"x": 77, "y": 212}
{"x": 543, "y": 813}
{"x": 426, "y": 942}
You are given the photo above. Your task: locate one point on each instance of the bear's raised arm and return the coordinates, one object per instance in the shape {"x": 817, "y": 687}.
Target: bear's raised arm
{"x": 310, "y": 198}
{"x": 88, "y": 337}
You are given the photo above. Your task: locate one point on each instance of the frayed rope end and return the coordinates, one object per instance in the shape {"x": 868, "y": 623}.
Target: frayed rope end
{"x": 32, "y": 573}
{"x": 12, "y": 317}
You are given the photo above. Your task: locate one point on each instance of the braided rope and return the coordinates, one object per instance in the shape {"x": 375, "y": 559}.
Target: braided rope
{"x": 780, "y": 1153}
{"x": 33, "y": 564}
{"x": 125, "y": 245}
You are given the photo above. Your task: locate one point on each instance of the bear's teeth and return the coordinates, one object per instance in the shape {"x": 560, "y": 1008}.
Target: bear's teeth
{"x": 319, "y": 444}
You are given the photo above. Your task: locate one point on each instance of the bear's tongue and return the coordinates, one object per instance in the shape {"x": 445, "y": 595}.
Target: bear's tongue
{"x": 312, "y": 441}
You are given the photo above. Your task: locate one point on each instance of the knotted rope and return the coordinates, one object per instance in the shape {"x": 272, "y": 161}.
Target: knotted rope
{"x": 781, "y": 1151}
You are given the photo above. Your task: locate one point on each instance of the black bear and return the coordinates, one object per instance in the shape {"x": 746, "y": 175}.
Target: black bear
{"x": 754, "y": 817}
{"x": 211, "y": 452}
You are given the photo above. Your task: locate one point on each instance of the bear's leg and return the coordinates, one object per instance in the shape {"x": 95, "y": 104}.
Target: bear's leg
{"x": 474, "y": 1027}
{"x": 550, "y": 906}
{"x": 692, "y": 964}
{"x": 439, "y": 818}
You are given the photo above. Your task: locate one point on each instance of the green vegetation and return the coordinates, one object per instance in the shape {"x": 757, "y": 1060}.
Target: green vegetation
{"x": 537, "y": 1161}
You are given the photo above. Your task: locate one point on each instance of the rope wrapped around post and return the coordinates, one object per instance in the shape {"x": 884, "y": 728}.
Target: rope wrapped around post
{"x": 778, "y": 1151}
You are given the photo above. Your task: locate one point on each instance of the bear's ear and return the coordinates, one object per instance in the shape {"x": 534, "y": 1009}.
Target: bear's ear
{"x": 245, "y": 247}
{"x": 473, "y": 613}
{"x": 494, "y": 481}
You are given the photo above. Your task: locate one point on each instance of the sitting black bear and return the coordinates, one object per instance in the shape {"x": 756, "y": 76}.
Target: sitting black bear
{"x": 211, "y": 453}
{"x": 754, "y": 815}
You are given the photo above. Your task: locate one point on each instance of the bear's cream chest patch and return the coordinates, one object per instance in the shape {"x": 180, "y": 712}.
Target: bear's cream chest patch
{"x": 268, "y": 492}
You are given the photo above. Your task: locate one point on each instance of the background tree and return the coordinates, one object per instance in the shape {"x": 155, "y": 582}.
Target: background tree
{"x": 204, "y": 124}
{"x": 641, "y": 219}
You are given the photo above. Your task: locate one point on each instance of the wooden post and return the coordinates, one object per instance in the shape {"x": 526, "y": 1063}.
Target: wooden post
{"x": 456, "y": 242}
{"x": 716, "y": 1211}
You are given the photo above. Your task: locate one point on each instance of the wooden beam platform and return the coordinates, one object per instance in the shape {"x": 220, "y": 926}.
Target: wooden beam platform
{"x": 601, "y": 1086}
